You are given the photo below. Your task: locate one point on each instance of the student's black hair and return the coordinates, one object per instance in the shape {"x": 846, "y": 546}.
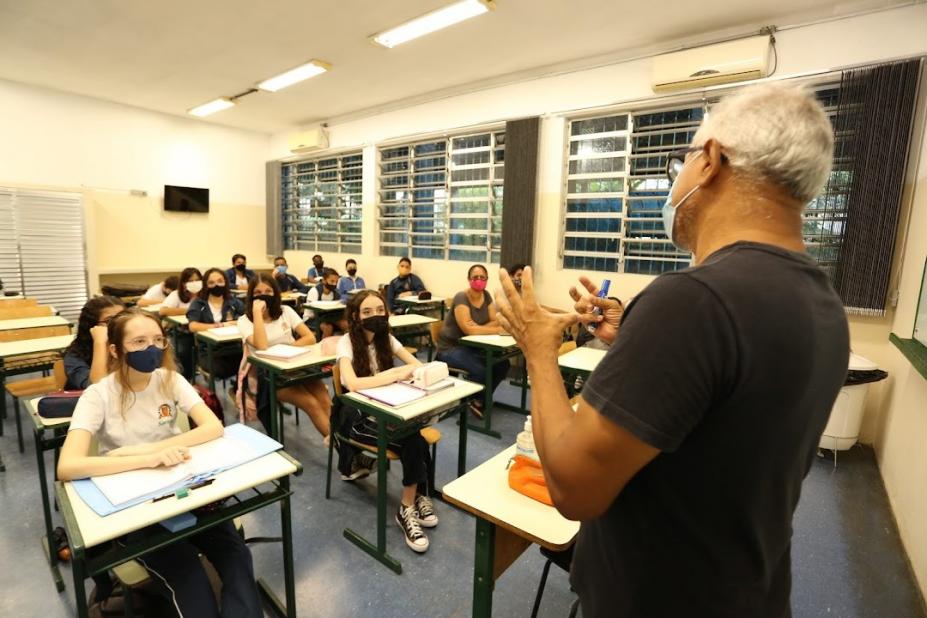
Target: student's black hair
{"x": 317, "y": 256}
{"x": 185, "y": 275}
{"x": 405, "y": 259}
{"x": 280, "y": 257}
{"x": 275, "y": 308}
{"x": 474, "y": 267}
{"x": 350, "y": 261}
{"x": 172, "y": 282}
{"x": 328, "y": 272}
{"x": 514, "y": 268}
{"x": 204, "y": 293}
{"x": 238, "y": 255}
{"x": 358, "y": 337}
{"x": 82, "y": 346}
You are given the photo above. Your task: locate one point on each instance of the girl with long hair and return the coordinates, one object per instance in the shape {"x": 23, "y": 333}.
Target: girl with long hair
{"x": 365, "y": 360}
{"x": 268, "y": 322}
{"x": 132, "y": 413}
{"x": 86, "y": 360}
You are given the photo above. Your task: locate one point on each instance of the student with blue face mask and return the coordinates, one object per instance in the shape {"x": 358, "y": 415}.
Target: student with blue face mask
{"x": 287, "y": 281}
{"x": 132, "y": 413}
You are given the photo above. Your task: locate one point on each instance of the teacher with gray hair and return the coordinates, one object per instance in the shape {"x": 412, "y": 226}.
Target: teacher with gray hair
{"x": 685, "y": 457}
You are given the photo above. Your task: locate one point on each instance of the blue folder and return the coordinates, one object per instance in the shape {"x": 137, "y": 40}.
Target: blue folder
{"x": 260, "y": 444}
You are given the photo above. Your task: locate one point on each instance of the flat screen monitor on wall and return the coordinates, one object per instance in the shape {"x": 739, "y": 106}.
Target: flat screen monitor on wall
{"x": 185, "y": 199}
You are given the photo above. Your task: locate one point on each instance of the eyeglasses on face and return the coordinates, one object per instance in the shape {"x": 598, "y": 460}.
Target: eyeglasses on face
{"x": 141, "y": 343}
{"x": 479, "y": 278}
{"x": 676, "y": 160}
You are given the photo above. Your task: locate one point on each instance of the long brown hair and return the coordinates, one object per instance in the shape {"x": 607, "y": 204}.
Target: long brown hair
{"x": 82, "y": 346}
{"x": 118, "y": 365}
{"x": 274, "y": 308}
{"x": 383, "y": 351}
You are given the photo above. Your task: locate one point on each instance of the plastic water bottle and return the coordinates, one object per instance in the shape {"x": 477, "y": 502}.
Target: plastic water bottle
{"x": 524, "y": 442}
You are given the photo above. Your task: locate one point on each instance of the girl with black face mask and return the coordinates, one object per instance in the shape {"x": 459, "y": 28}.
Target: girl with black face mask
{"x": 216, "y": 306}
{"x": 266, "y": 323}
{"x": 132, "y": 413}
{"x": 365, "y": 360}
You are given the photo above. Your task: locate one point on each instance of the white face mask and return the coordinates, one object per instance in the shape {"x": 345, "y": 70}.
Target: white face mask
{"x": 194, "y": 287}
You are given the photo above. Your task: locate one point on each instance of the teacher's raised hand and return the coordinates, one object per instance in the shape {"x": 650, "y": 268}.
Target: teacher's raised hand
{"x": 538, "y": 332}
{"x": 607, "y": 318}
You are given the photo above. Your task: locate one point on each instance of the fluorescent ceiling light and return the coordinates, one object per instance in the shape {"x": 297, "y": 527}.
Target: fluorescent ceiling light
{"x": 294, "y": 76}
{"x": 212, "y": 107}
{"x": 434, "y": 21}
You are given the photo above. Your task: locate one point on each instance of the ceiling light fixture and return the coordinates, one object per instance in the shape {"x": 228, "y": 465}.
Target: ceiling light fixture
{"x": 212, "y": 107}
{"x": 433, "y": 21}
{"x": 294, "y": 76}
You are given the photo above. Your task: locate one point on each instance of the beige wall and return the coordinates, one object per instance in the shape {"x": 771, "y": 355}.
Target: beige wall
{"x": 56, "y": 140}
{"x": 128, "y": 233}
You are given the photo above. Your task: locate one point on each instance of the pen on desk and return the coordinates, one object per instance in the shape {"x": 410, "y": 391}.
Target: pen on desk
{"x": 184, "y": 489}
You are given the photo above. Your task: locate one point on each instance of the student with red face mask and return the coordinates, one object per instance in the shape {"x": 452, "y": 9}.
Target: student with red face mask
{"x": 472, "y": 313}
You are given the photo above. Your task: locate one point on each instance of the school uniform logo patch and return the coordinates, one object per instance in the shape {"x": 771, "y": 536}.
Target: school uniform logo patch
{"x": 165, "y": 414}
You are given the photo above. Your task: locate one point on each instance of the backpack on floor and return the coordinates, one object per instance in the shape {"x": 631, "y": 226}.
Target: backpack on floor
{"x": 211, "y": 400}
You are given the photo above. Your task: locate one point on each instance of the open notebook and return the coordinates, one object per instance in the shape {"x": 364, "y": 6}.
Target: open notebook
{"x": 402, "y": 393}
{"x": 114, "y": 492}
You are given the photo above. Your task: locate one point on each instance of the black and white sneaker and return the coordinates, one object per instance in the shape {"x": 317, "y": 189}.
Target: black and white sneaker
{"x": 361, "y": 467}
{"x": 407, "y": 519}
{"x": 425, "y": 511}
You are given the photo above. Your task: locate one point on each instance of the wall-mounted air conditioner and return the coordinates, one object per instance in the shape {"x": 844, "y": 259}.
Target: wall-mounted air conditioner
{"x": 733, "y": 61}
{"x": 309, "y": 141}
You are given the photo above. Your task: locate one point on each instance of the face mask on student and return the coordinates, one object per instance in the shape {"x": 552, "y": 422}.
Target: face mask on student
{"x": 352, "y": 272}
{"x": 282, "y": 269}
{"x": 329, "y": 287}
{"x": 478, "y": 285}
{"x": 240, "y": 268}
{"x": 267, "y": 298}
{"x": 217, "y": 290}
{"x": 194, "y": 287}
{"x": 376, "y": 324}
{"x": 146, "y": 360}
{"x": 318, "y": 265}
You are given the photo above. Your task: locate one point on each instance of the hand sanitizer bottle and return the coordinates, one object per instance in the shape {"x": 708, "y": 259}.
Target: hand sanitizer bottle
{"x": 524, "y": 442}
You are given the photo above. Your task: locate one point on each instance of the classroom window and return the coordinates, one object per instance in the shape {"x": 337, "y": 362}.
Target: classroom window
{"x": 321, "y": 201}
{"x": 442, "y": 198}
{"x": 616, "y": 187}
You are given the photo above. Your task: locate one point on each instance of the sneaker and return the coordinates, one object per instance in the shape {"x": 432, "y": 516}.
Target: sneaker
{"x": 360, "y": 468}
{"x": 407, "y": 520}
{"x": 425, "y": 512}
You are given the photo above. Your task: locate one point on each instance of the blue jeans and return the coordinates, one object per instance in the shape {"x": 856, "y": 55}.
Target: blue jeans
{"x": 473, "y": 361}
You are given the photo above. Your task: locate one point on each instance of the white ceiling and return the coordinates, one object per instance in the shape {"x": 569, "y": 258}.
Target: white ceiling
{"x": 171, "y": 55}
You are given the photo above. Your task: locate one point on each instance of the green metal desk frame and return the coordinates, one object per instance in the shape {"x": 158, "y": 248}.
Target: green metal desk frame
{"x": 494, "y": 354}
{"x": 389, "y": 428}
{"x": 82, "y": 567}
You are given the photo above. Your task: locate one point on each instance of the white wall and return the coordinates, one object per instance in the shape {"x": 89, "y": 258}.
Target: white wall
{"x": 57, "y": 140}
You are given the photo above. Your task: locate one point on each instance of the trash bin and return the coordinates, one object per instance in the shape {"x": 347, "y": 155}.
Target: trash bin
{"x": 846, "y": 416}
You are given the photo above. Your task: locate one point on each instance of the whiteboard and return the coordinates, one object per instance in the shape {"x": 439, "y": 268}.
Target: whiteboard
{"x": 920, "y": 321}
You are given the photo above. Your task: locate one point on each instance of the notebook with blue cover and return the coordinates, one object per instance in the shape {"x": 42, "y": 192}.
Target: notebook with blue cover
{"x": 239, "y": 445}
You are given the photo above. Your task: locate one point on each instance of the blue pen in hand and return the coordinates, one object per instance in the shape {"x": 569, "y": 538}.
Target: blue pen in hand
{"x": 603, "y": 293}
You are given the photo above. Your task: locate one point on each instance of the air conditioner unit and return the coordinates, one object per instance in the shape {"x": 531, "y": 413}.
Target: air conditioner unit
{"x": 309, "y": 141}
{"x": 734, "y": 61}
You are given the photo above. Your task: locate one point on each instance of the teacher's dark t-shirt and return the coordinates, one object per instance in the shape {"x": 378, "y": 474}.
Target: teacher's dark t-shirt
{"x": 730, "y": 369}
